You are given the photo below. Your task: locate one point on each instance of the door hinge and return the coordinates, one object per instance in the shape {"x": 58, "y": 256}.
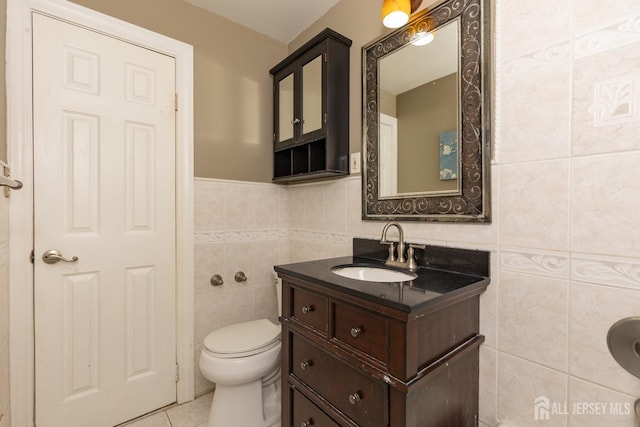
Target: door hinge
{"x": 32, "y": 257}
{"x": 274, "y": 137}
{"x": 326, "y": 57}
{"x": 177, "y": 372}
{"x": 176, "y": 102}
{"x": 326, "y": 117}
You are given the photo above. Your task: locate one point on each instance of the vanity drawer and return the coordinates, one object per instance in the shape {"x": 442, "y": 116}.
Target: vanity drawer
{"x": 309, "y": 308}
{"x": 306, "y": 412}
{"x": 363, "y": 330}
{"x": 352, "y": 392}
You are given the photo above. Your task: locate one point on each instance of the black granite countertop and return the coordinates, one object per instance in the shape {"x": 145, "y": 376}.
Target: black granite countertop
{"x": 431, "y": 286}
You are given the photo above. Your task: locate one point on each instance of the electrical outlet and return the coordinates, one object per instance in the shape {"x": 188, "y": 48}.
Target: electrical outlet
{"x": 355, "y": 163}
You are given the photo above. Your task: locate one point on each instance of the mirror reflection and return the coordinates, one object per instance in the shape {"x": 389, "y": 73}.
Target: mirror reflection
{"x": 426, "y": 154}
{"x": 312, "y": 95}
{"x": 418, "y": 106}
{"x": 285, "y": 95}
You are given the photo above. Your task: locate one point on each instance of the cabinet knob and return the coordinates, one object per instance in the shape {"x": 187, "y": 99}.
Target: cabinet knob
{"x": 307, "y": 423}
{"x": 354, "y": 398}
{"x": 307, "y": 309}
{"x": 355, "y": 332}
{"x": 295, "y": 121}
{"x": 304, "y": 365}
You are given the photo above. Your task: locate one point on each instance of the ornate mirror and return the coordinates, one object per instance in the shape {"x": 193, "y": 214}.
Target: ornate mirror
{"x": 425, "y": 118}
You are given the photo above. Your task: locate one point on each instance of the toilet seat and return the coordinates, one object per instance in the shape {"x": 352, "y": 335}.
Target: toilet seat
{"x": 243, "y": 339}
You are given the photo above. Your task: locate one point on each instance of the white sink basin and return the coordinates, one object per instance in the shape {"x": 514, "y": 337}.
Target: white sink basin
{"x": 372, "y": 274}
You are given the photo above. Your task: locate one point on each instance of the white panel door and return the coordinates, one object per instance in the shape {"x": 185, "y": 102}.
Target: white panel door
{"x": 388, "y": 156}
{"x": 104, "y": 192}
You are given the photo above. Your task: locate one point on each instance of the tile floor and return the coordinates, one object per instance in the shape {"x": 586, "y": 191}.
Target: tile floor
{"x": 191, "y": 414}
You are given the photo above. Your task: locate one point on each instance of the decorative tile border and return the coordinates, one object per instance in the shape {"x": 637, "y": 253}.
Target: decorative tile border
{"x": 602, "y": 270}
{"x": 553, "y": 55}
{"x": 544, "y": 264}
{"x": 612, "y": 37}
{"x": 621, "y": 272}
{"x": 240, "y": 236}
{"x": 271, "y": 234}
{"x": 320, "y": 236}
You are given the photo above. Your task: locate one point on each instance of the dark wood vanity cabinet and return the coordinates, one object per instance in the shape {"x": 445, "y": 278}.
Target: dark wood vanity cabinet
{"x": 311, "y": 110}
{"x": 350, "y": 361}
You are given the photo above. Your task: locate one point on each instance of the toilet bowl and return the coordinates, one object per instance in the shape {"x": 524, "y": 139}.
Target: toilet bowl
{"x": 243, "y": 360}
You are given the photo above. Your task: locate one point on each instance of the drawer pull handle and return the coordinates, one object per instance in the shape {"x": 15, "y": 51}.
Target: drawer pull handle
{"x": 307, "y": 423}
{"x": 305, "y": 365}
{"x": 355, "y": 332}
{"x": 354, "y": 398}
{"x": 307, "y": 309}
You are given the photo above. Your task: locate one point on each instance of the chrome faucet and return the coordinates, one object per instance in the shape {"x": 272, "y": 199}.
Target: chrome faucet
{"x": 384, "y": 241}
{"x": 400, "y": 261}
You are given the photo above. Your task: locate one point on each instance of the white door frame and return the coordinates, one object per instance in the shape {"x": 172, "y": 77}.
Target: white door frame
{"x": 20, "y": 158}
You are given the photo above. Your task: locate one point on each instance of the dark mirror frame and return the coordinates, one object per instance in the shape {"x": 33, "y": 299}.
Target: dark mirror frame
{"x": 472, "y": 203}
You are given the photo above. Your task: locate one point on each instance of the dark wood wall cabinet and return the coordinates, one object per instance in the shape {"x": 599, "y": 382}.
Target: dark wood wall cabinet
{"x": 349, "y": 358}
{"x": 311, "y": 110}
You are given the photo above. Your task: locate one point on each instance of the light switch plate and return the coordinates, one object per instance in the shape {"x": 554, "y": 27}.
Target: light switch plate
{"x": 355, "y": 163}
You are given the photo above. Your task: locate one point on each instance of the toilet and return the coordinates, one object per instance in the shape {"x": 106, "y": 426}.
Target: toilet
{"x": 243, "y": 360}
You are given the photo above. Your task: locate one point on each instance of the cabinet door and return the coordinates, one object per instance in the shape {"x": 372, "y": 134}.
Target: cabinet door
{"x": 286, "y": 119}
{"x": 312, "y": 110}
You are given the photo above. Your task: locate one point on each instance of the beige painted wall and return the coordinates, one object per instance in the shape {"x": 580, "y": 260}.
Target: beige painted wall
{"x": 233, "y": 101}
{"x": 387, "y": 103}
{"x": 420, "y": 121}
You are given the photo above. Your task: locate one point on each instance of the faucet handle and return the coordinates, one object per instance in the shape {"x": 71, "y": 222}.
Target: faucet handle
{"x": 412, "y": 264}
{"x": 392, "y": 252}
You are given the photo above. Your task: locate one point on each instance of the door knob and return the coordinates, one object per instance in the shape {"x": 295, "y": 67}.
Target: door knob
{"x": 53, "y": 256}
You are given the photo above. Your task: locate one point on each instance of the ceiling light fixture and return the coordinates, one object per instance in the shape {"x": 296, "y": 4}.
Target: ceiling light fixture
{"x": 395, "y": 13}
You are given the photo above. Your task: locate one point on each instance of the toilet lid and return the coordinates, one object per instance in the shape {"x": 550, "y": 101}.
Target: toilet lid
{"x": 243, "y": 337}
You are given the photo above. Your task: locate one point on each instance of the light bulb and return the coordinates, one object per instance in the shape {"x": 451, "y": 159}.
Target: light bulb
{"x": 422, "y": 38}
{"x": 395, "y": 13}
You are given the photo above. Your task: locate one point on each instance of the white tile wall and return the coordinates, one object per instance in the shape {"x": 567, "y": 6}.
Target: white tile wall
{"x": 239, "y": 226}
{"x": 530, "y": 25}
{"x": 520, "y": 382}
{"x": 612, "y": 409}
{"x": 533, "y": 318}
{"x": 568, "y": 235}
